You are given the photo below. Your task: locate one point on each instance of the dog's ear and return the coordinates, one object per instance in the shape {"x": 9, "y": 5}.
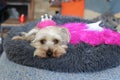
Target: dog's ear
{"x": 35, "y": 44}
{"x": 65, "y": 34}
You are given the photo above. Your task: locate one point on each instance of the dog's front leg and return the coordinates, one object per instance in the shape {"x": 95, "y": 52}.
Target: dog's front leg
{"x": 40, "y": 53}
{"x": 60, "y": 50}
{"x": 26, "y": 36}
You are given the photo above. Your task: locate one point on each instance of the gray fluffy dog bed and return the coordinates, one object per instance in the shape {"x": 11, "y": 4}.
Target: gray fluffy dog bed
{"x": 1, "y": 49}
{"x": 80, "y": 58}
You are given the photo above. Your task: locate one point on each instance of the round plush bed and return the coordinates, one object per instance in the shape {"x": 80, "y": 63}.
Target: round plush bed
{"x": 79, "y": 58}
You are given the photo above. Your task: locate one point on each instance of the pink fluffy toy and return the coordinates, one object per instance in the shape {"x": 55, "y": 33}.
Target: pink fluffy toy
{"x": 91, "y": 33}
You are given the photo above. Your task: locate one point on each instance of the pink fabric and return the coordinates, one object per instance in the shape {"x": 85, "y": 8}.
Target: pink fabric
{"x": 79, "y": 34}
{"x": 46, "y": 23}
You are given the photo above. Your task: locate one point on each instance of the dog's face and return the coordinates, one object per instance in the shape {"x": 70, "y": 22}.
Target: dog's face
{"x": 51, "y": 42}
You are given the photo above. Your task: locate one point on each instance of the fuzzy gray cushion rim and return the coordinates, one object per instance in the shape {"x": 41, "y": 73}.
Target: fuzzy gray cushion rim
{"x": 12, "y": 71}
{"x": 79, "y": 58}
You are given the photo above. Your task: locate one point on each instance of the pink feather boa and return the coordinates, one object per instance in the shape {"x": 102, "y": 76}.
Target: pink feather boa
{"x": 79, "y": 34}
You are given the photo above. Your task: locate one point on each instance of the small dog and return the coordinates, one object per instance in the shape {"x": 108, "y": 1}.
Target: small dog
{"x": 50, "y": 41}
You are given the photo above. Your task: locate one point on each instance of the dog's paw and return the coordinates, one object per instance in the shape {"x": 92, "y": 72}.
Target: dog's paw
{"x": 23, "y": 33}
{"x": 46, "y": 17}
{"x": 59, "y": 51}
{"x": 39, "y": 53}
{"x": 17, "y": 38}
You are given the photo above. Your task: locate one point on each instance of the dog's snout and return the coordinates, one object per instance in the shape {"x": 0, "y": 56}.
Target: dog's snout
{"x": 49, "y": 53}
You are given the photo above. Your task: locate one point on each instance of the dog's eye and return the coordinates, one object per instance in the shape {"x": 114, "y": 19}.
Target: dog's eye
{"x": 56, "y": 41}
{"x": 42, "y": 41}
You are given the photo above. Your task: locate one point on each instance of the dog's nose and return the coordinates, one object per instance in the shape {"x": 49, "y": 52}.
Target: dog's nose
{"x": 49, "y": 53}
